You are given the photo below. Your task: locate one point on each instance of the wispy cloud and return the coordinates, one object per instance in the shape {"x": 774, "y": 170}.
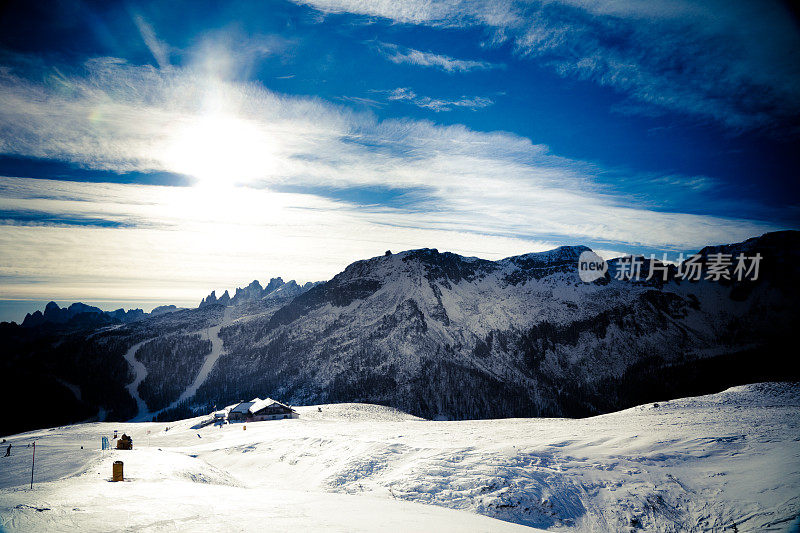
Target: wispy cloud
{"x": 449, "y": 14}
{"x": 438, "y": 104}
{"x": 159, "y": 49}
{"x": 726, "y": 62}
{"x": 485, "y": 193}
{"x": 131, "y": 118}
{"x": 398, "y": 54}
{"x": 360, "y": 101}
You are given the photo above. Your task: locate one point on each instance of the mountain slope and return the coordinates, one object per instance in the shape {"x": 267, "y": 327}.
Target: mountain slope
{"x": 437, "y": 334}
{"x": 441, "y": 335}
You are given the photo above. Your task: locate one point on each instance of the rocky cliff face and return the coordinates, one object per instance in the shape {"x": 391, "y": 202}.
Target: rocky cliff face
{"x": 275, "y": 289}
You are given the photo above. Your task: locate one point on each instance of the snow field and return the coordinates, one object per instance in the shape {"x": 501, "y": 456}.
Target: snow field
{"x": 695, "y": 464}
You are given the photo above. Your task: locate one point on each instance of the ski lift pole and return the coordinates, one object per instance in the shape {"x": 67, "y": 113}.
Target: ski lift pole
{"x": 33, "y": 461}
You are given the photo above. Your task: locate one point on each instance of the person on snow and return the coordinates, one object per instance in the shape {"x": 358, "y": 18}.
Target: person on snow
{"x": 8, "y": 451}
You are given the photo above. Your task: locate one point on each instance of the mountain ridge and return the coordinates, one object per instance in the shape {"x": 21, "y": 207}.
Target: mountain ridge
{"x": 441, "y": 335}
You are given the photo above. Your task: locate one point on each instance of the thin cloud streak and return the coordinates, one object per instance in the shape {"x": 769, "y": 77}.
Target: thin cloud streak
{"x": 437, "y": 105}
{"x": 399, "y": 55}
{"x": 159, "y": 49}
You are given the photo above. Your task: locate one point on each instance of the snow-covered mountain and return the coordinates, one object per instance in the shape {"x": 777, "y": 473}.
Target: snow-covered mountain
{"x": 440, "y": 335}
{"x": 437, "y": 335}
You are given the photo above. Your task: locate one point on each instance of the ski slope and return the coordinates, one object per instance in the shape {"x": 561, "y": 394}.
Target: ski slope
{"x": 694, "y": 464}
{"x": 140, "y": 373}
{"x": 212, "y": 334}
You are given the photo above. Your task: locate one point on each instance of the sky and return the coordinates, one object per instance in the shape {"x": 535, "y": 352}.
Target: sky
{"x": 151, "y": 152}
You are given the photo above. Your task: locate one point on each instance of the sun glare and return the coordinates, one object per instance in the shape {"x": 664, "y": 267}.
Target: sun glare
{"x": 219, "y": 150}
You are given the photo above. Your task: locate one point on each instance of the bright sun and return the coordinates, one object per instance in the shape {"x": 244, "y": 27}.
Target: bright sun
{"x": 220, "y": 149}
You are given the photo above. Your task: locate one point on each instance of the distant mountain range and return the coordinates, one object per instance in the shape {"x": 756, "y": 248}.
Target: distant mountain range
{"x": 435, "y": 334}
{"x": 80, "y": 315}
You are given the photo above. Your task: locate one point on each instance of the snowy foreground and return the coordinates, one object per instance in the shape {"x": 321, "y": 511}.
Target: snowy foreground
{"x": 696, "y": 464}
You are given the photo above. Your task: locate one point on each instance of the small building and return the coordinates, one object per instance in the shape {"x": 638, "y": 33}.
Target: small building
{"x": 270, "y": 409}
{"x": 257, "y": 410}
{"x": 240, "y": 412}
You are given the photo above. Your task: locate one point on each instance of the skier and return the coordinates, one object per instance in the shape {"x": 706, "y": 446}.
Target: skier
{"x": 8, "y": 451}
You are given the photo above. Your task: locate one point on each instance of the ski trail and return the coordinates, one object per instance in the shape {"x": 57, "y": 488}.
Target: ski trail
{"x": 133, "y": 388}
{"x": 210, "y": 361}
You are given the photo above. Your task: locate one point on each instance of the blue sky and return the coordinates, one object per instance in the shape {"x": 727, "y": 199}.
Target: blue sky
{"x": 151, "y": 152}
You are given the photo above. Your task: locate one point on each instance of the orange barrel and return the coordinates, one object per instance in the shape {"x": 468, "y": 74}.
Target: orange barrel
{"x": 117, "y": 471}
{"x": 244, "y": 428}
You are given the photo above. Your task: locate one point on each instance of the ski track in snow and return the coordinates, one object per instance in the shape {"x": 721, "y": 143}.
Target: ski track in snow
{"x": 209, "y": 362}
{"x": 133, "y": 388}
